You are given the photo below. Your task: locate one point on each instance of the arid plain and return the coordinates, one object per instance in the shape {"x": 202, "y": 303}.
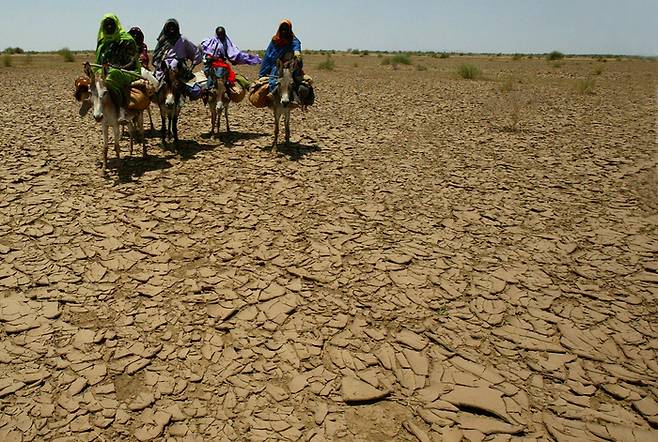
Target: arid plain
{"x": 433, "y": 259}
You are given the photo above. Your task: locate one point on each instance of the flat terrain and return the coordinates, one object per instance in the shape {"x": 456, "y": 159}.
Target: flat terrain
{"x": 481, "y": 253}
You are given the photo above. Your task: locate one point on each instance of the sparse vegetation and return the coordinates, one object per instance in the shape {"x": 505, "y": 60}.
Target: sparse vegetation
{"x": 421, "y": 67}
{"x": 507, "y": 86}
{"x": 598, "y": 70}
{"x": 585, "y": 86}
{"x": 16, "y": 50}
{"x": 556, "y": 64}
{"x": 555, "y": 55}
{"x": 28, "y": 59}
{"x": 469, "y": 71}
{"x": 67, "y": 55}
{"x": 401, "y": 59}
{"x": 328, "y": 64}
{"x": 6, "y": 60}
{"x": 444, "y": 55}
{"x": 517, "y": 57}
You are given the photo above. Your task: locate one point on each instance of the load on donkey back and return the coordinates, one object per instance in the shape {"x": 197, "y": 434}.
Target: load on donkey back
{"x": 284, "y": 46}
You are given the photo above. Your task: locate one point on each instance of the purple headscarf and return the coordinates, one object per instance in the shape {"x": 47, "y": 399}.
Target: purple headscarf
{"x": 213, "y": 47}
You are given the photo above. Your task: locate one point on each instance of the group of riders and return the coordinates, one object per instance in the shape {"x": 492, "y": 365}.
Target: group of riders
{"x": 125, "y": 52}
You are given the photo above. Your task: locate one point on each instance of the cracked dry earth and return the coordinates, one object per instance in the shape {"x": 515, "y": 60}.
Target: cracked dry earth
{"x": 415, "y": 272}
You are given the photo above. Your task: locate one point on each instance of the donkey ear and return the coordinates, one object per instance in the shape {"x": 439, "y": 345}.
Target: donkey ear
{"x": 106, "y": 70}
{"x": 87, "y": 69}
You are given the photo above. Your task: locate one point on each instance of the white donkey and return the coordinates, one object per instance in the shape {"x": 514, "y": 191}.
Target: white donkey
{"x": 282, "y": 100}
{"x": 106, "y": 112}
{"x": 218, "y": 101}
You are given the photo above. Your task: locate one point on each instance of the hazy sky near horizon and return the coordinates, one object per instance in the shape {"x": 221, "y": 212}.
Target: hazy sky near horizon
{"x": 570, "y": 26}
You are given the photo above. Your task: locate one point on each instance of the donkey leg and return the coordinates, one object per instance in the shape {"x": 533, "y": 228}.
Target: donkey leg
{"x": 117, "y": 149}
{"x": 228, "y": 129}
{"x": 175, "y": 122}
{"x": 277, "y": 115}
{"x": 148, "y": 109}
{"x": 213, "y": 117}
{"x": 163, "y": 127}
{"x": 286, "y": 119}
{"x": 104, "y": 152}
{"x": 131, "y": 134}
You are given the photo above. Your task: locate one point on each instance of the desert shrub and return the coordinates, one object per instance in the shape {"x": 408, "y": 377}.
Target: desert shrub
{"x": 15, "y": 50}
{"x": 585, "y": 86}
{"x": 421, "y": 67}
{"x": 385, "y": 61}
{"x": 354, "y": 51}
{"x": 28, "y": 59}
{"x": 365, "y": 52}
{"x": 328, "y": 64}
{"x": 401, "y": 59}
{"x": 516, "y": 57}
{"x": 67, "y": 55}
{"x": 469, "y": 71}
{"x": 6, "y": 60}
{"x": 507, "y": 85}
{"x": 555, "y": 55}
{"x": 556, "y": 64}
{"x": 598, "y": 70}
{"x": 356, "y": 65}
{"x": 444, "y": 55}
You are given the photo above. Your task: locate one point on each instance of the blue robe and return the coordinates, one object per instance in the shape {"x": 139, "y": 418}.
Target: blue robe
{"x": 274, "y": 53}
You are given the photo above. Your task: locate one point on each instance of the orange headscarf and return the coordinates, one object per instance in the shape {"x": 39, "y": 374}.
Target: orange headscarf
{"x": 277, "y": 38}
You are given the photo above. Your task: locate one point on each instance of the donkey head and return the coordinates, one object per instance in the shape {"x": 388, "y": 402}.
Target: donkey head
{"x": 286, "y": 82}
{"x": 219, "y": 87}
{"x": 172, "y": 85}
{"x": 98, "y": 89}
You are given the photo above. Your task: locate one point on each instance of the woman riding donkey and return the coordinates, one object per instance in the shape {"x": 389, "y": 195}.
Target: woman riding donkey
{"x": 142, "y": 49}
{"x": 172, "y": 51}
{"x": 220, "y": 53}
{"x": 116, "y": 48}
{"x": 283, "y": 44}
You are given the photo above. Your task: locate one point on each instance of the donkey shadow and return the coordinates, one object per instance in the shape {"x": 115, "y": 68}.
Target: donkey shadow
{"x": 187, "y": 149}
{"x": 294, "y": 151}
{"x": 129, "y": 168}
{"x": 230, "y": 138}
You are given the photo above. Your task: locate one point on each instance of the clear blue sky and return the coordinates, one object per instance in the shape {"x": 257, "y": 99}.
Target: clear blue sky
{"x": 571, "y": 26}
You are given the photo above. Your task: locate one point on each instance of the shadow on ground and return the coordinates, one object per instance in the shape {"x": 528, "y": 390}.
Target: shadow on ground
{"x": 294, "y": 151}
{"x": 128, "y": 168}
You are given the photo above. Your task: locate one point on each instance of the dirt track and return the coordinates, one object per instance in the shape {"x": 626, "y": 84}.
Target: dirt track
{"x": 499, "y": 284}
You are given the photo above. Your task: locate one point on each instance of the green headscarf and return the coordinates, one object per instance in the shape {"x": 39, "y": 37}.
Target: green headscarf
{"x": 119, "y": 35}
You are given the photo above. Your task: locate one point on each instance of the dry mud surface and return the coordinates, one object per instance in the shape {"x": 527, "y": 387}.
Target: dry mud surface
{"x": 411, "y": 270}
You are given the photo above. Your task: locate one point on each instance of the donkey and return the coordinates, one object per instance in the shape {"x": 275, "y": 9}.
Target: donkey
{"x": 170, "y": 100}
{"x": 218, "y": 100}
{"x": 282, "y": 98}
{"x": 106, "y": 112}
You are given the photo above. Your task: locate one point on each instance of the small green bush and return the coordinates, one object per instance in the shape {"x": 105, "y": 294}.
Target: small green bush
{"x": 328, "y": 64}
{"x": 15, "y": 50}
{"x": 585, "y": 86}
{"x": 6, "y": 60}
{"x": 444, "y": 55}
{"x": 555, "y": 55}
{"x": 507, "y": 86}
{"x": 469, "y": 71}
{"x": 401, "y": 59}
{"x": 67, "y": 55}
